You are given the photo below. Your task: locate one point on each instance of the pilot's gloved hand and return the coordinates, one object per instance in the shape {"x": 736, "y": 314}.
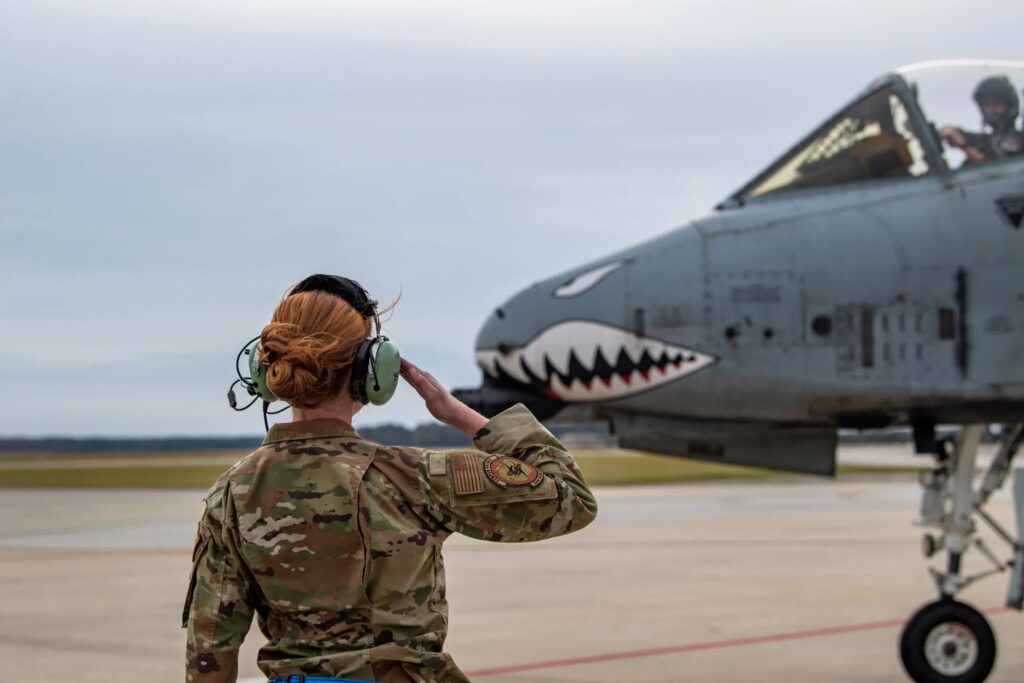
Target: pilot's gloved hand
{"x": 953, "y": 136}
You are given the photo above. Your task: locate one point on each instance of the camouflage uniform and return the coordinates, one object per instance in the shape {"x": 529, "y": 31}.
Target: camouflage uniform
{"x": 334, "y": 542}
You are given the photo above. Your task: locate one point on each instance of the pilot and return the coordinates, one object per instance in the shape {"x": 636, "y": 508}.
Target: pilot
{"x": 334, "y": 542}
{"x": 997, "y": 99}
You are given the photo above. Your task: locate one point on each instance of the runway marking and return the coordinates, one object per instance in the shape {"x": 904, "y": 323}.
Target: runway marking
{"x": 695, "y": 647}
{"x": 691, "y": 647}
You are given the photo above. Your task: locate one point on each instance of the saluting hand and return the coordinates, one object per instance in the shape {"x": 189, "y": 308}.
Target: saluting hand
{"x": 439, "y": 401}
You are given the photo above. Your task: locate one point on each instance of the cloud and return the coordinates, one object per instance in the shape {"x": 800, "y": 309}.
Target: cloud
{"x": 169, "y": 168}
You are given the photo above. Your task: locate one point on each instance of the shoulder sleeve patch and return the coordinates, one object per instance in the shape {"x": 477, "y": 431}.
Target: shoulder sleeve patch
{"x": 466, "y": 474}
{"x": 504, "y": 470}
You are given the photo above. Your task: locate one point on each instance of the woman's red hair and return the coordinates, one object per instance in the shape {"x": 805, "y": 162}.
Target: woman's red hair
{"x": 309, "y": 345}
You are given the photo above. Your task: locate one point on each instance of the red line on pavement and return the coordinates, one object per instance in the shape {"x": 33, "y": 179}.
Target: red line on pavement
{"x": 694, "y": 647}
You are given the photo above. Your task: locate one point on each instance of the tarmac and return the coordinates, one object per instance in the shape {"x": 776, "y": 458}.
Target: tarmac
{"x": 775, "y": 580}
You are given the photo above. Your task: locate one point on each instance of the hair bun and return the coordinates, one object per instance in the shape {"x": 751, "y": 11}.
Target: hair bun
{"x": 294, "y": 361}
{"x": 309, "y": 346}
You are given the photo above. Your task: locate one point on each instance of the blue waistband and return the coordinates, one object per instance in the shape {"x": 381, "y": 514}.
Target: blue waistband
{"x": 299, "y": 678}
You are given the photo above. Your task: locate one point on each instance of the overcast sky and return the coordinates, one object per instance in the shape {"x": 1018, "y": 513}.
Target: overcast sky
{"x": 167, "y": 169}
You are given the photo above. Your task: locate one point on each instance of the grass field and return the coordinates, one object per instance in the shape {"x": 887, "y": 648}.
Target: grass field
{"x": 198, "y": 471}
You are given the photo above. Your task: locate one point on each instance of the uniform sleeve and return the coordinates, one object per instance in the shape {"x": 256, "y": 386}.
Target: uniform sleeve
{"x": 218, "y": 606}
{"x": 519, "y": 484}
{"x": 979, "y": 141}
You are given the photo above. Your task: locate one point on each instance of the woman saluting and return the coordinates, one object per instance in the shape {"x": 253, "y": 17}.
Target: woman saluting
{"x": 333, "y": 541}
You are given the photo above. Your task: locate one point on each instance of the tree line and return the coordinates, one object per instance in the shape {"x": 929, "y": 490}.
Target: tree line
{"x": 426, "y": 435}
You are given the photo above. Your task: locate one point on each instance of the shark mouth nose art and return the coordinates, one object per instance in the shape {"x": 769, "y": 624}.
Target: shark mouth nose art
{"x": 587, "y": 361}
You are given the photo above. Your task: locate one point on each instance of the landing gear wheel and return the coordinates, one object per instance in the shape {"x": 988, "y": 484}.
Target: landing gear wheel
{"x": 948, "y": 642}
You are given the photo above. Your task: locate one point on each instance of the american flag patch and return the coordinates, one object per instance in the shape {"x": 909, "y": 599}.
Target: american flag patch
{"x": 469, "y": 478}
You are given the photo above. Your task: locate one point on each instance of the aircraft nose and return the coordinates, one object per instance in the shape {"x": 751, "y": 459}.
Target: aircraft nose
{"x": 529, "y": 336}
{"x": 599, "y": 331}
{"x": 506, "y": 382}
{"x": 510, "y": 325}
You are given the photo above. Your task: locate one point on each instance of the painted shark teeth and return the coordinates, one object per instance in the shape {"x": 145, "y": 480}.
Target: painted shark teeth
{"x": 488, "y": 362}
{"x": 587, "y": 361}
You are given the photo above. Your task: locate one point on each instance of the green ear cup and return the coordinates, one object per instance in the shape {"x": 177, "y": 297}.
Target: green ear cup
{"x": 258, "y": 376}
{"x": 382, "y": 375}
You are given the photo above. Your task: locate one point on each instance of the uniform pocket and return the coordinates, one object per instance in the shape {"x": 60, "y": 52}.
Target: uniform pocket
{"x": 202, "y": 540}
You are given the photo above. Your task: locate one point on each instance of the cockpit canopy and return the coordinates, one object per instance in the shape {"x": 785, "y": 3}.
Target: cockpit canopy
{"x": 922, "y": 119}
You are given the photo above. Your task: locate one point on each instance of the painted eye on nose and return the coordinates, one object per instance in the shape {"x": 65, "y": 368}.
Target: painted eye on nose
{"x": 584, "y": 281}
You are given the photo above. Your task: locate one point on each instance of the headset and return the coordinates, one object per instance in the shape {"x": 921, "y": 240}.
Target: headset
{"x": 374, "y": 375}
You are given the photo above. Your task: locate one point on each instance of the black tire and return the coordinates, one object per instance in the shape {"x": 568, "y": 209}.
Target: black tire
{"x": 948, "y": 642}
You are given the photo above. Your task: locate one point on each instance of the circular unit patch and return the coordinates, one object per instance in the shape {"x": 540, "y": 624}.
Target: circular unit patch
{"x": 505, "y": 471}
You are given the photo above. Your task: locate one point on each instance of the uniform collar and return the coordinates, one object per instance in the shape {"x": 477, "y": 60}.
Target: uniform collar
{"x": 309, "y": 429}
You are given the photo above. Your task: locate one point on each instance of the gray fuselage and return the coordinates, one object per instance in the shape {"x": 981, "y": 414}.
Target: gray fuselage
{"x": 856, "y": 304}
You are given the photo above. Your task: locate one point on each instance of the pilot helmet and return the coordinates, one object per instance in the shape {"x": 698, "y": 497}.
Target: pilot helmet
{"x": 998, "y": 88}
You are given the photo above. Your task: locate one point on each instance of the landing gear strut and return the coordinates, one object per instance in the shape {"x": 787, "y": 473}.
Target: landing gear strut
{"x": 947, "y": 641}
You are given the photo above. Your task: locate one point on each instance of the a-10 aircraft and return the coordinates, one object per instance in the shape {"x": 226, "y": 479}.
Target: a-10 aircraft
{"x": 872, "y": 276}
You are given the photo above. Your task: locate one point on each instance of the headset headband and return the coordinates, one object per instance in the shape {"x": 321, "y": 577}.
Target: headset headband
{"x": 348, "y": 289}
